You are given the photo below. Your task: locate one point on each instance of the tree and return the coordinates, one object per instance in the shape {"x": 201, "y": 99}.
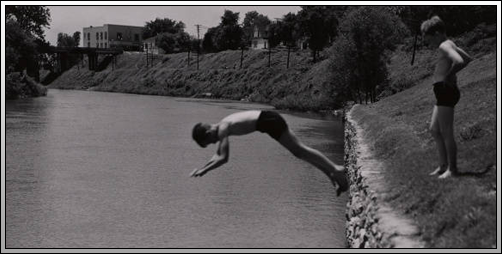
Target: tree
{"x": 24, "y": 34}
{"x": 20, "y": 47}
{"x": 76, "y": 38}
{"x": 65, "y": 40}
{"x": 159, "y": 26}
{"x": 318, "y": 24}
{"x": 30, "y": 18}
{"x": 166, "y": 41}
{"x": 227, "y": 35}
{"x": 172, "y": 43}
{"x": 359, "y": 52}
{"x": 207, "y": 43}
{"x": 274, "y": 34}
{"x": 455, "y": 17}
{"x": 289, "y": 30}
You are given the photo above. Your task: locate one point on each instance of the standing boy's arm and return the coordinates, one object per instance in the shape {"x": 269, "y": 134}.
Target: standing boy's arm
{"x": 459, "y": 59}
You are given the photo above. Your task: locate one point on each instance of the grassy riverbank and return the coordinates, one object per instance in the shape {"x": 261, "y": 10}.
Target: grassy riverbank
{"x": 458, "y": 212}
{"x": 219, "y": 76}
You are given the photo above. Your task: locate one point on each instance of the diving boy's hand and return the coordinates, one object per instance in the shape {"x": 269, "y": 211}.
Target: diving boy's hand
{"x": 198, "y": 172}
{"x": 195, "y": 173}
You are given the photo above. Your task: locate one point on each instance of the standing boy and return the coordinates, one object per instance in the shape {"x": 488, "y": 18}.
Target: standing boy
{"x": 451, "y": 59}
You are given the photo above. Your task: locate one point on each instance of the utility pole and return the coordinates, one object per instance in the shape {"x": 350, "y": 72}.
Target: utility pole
{"x": 146, "y": 45}
{"x": 198, "y": 45}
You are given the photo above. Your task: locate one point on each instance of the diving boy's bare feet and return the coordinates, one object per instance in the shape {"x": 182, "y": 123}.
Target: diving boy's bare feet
{"x": 338, "y": 177}
{"x": 440, "y": 170}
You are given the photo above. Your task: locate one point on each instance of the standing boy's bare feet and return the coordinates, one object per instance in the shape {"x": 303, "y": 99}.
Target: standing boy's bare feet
{"x": 440, "y": 170}
{"x": 448, "y": 173}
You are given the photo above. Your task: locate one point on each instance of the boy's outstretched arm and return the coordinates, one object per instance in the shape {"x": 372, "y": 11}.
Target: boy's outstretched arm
{"x": 220, "y": 158}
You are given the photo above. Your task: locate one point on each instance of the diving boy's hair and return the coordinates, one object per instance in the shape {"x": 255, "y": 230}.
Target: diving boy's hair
{"x": 199, "y": 133}
{"x": 432, "y": 25}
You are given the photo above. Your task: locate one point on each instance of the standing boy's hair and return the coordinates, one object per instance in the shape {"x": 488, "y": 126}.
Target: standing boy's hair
{"x": 199, "y": 133}
{"x": 432, "y": 25}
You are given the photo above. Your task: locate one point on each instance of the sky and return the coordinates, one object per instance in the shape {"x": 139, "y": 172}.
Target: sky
{"x": 69, "y": 19}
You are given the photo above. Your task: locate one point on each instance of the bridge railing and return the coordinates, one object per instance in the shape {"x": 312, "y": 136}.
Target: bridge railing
{"x": 77, "y": 50}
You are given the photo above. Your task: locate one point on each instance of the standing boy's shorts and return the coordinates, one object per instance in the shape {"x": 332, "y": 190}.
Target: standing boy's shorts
{"x": 271, "y": 123}
{"x": 446, "y": 95}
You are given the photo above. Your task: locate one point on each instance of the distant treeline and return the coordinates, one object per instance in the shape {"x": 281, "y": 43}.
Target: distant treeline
{"x": 357, "y": 37}
{"x": 318, "y": 26}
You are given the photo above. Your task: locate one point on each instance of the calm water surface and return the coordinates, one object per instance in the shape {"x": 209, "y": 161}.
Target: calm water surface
{"x": 107, "y": 170}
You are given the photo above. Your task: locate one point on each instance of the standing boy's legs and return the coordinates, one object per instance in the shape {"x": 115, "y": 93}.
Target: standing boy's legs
{"x": 446, "y": 117}
{"x": 440, "y": 144}
{"x": 316, "y": 158}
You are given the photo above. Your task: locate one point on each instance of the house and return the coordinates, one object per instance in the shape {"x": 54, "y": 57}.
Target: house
{"x": 259, "y": 40}
{"x": 113, "y": 36}
{"x": 302, "y": 43}
{"x": 150, "y": 45}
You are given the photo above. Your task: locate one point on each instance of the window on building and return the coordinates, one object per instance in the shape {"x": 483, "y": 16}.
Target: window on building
{"x": 101, "y": 45}
{"x": 136, "y": 37}
{"x": 101, "y": 35}
{"x": 119, "y": 36}
{"x": 88, "y": 44}
{"x": 106, "y": 35}
{"x": 106, "y": 46}
{"x": 88, "y": 36}
{"x": 97, "y": 36}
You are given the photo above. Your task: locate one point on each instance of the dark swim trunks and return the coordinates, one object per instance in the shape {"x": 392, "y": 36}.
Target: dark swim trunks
{"x": 272, "y": 123}
{"x": 446, "y": 95}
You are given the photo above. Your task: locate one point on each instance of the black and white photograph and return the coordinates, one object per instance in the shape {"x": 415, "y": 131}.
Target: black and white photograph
{"x": 250, "y": 126}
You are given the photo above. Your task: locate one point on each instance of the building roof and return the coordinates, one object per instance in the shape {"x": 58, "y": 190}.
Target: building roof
{"x": 111, "y": 25}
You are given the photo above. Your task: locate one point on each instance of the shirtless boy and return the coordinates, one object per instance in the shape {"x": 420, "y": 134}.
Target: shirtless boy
{"x": 269, "y": 122}
{"x": 451, "y": 59}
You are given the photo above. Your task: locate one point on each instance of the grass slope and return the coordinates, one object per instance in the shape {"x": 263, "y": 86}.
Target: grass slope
{"x": 298, "y": 87}
{"x": 452, "y": 213}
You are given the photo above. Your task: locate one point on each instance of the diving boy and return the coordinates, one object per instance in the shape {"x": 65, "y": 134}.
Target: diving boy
{"x": 269, "y": 122}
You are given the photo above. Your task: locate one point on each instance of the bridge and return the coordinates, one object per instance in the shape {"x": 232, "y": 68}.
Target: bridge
{"x": 92, "y": 55}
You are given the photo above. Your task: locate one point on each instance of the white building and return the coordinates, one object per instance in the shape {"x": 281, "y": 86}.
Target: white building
{"x": 113, "y": 36}
{"x": 259, "y": 40}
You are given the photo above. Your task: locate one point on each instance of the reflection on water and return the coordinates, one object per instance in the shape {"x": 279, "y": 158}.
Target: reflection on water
{"x": 104, "y": 170}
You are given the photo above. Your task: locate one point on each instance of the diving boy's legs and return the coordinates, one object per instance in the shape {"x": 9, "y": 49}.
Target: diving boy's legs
{"x": 440, "y": 144}
{"x": 446, "y": 118}
{"x": 316, "y": 158}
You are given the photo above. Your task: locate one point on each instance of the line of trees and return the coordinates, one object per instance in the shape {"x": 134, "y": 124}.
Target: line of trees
{"x": 358, "y": 38}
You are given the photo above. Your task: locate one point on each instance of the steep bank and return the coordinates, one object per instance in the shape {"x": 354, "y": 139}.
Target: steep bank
{"x": 451, "y": 213}
{"x": 219, "y": 76}
{"x": 371, "y": 222}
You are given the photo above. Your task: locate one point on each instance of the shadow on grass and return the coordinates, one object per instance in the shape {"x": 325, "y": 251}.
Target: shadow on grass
{"x": 475, "y": 174}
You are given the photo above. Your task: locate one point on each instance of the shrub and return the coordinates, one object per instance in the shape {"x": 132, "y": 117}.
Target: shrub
{"x": 19, "y": 85}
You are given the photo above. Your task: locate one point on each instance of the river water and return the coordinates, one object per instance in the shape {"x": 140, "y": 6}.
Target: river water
{"x": 109, "y": 170}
